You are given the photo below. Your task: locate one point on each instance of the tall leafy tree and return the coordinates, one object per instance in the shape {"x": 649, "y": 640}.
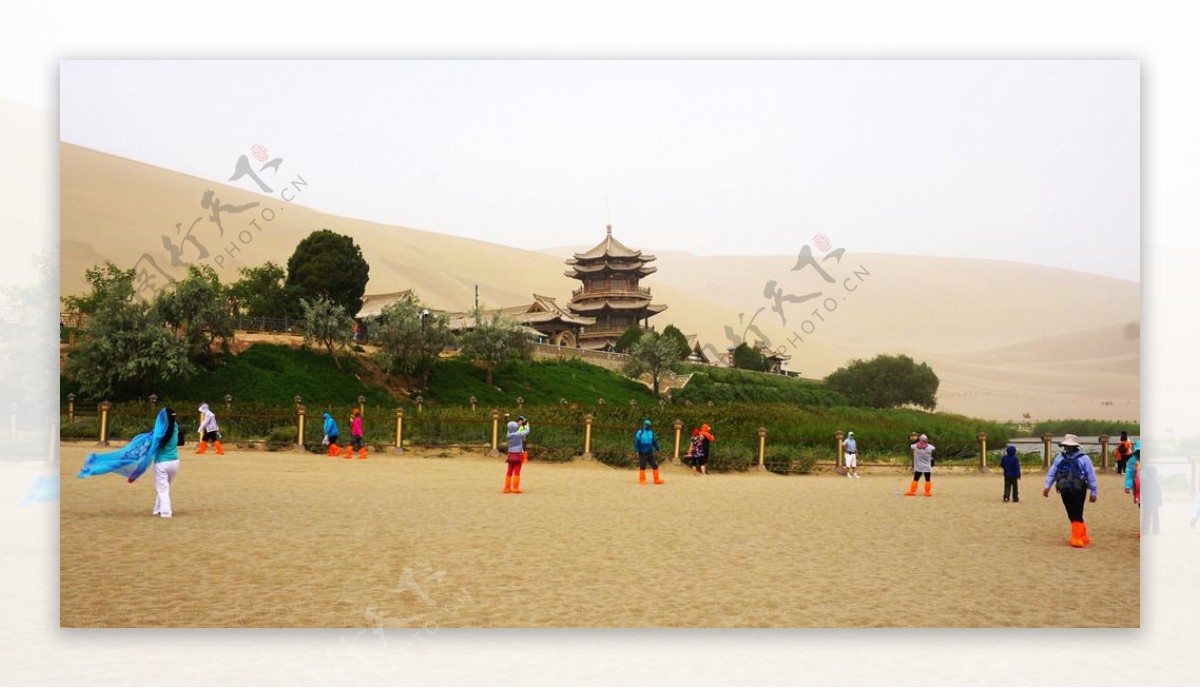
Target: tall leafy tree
{"x": 410, "y": 337}
{"x": 260, "y": 292}
{"x": 327, "y": 324}
{"x": 747, "y": 357}
{"x": 628, "y": 338}
{"x": 885, "y": 382}
{"x": 331, "y": 265}
{"x": 196, "y": 309}
{"x": 654, "y": 354}
{"x": 494, "y": 342}
{"x": 674, "y": 333}
{"x": 125, "y": 348}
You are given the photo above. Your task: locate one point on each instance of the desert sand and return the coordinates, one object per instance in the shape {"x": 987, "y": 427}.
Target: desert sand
{"x": 426, "y": 541}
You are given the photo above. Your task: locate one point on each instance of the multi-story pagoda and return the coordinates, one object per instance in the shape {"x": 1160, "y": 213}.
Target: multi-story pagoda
{"x": 610, "y": 273}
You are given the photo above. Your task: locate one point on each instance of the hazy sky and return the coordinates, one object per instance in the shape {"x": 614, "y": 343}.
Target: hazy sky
{"x": 1017, "y": 160}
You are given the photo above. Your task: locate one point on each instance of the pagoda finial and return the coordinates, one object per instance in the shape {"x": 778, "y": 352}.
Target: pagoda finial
{"x": 609, "y": 229}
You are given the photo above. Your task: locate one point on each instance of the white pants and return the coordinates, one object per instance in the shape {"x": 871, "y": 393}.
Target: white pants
{"x": 164, "y": 473}
{"x": 851, "y": 460}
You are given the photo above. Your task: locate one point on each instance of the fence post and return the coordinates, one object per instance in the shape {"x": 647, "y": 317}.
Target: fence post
{"x": 678, "y": 429}
{"x": 105, "y": 407}
{"x": 362, "y": 407}
{"x": 1104, "y": 453}
{"x": 1047, "y": 438}
{"x": 762, "y": 448}
{"x": 587, "y": 437}
{"x": 399, "y": 448}
{"x": 71, "y": 408}
{"x": 982, "y": 437}
{"x": 299, "y": 427}
{"x": 420, "y": 404}
{"x": 495, "y": 433}
{"x": 473, "y": 404}
{"x": 840, "y": 451}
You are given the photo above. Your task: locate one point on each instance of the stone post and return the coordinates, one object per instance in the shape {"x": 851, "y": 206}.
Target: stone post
{"x": 762, "y": 448}
{"x": 300, "y": 427}
{"x": 587, "y": 437}
{"x": 982, "y": 437}
{"x": 1104, "y": 453}
{"x": 105, "y": 407}
{"x": 1047, "y": 438}
{"x": 840, "y": 450}
{"x": 399, "y": 447}
{"x": 71, "y": 408}
{"x": 495, "y": 451}
{"x": 678, "y": 430}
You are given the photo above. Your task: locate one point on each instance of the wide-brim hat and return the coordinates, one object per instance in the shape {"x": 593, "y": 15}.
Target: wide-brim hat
{"x": 1069, "y": 441}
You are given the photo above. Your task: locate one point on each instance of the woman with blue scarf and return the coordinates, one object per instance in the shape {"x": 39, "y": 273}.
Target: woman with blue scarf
{"x": 159, "y": 447}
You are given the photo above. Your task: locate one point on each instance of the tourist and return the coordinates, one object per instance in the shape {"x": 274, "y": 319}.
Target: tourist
{"x": 331, "y": 435}
{"x": 851, "y": 446}
{"x": 166, "y": 466}
{"x": 522, "y": 422}
{"x": 645, "y": 444}
{"x": 695, "y": 454}
{"x": 1011, "y": 465}
{"x": 208, "y": 431}
{"x": 706, "y": 442}
{"x": 922, "y": 465}
{"x": 1073, "y": 474}
{"x": 356, "y": 436}
{"x": 159, "y": 447}
{"x": 516, "y": 449}
{"x": 1124, "y": 451}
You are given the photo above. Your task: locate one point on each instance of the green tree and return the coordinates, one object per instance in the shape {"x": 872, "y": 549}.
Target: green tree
{"x": 747, "y": 357}
{"x": 260, "y": 292}
{"x": 331, "y": 265}
{"x": 654, "y": 354}
{"x": 196, "y": 309}
{"x": 494, "y": 342}
{"x": 673, "y": 332}
{"x": 125, "y": 348}
{"x": 326, "y": 323}
{"x": 628, "y": 338}
{"x": 886, "y": 382}
{"x": 409, "y": 338}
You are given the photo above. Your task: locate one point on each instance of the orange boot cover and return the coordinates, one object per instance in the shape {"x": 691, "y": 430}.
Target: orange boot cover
{"x": 220, "y": 449}
{"x": 912, "y": 489}
{"x": 657, "y": 480}
{"x": 362, "y": 452}
{"x": 334, "y": 450}
{"x": 928, "y": 489}
{"x": 641, "y": 477}
{"x": 202, "y": 448}
{"x": 1083, "y": 536}
{"x": 507, "y": 484}
{"x": 517, "y": 484}
{"x": 1076, "y": 540}
{"x": 349, "y": 451}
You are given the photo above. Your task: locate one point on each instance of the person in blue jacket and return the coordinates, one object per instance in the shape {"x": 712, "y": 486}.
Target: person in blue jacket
{"x": 645, "y": 444}
{"x": 331, "y": 434}
{"x": 1011, "y": 465}
{"x": 1073, "y": 474}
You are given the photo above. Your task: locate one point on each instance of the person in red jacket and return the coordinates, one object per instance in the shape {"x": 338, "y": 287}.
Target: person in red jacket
{"x": 356, "y": 436}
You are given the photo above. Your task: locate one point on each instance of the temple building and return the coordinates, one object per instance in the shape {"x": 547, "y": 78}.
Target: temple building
{"x": 611, "y": 295}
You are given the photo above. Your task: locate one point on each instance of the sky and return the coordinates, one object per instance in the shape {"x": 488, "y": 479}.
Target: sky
{"x": 1029, "y": 161}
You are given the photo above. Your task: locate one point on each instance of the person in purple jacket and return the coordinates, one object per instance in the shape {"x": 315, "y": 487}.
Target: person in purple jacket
{"x": 1011, "y": 465}
{"x": 1073, "y": 474}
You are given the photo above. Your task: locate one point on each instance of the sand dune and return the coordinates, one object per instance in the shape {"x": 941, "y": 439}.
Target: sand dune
{"x": 1002, "y": 336}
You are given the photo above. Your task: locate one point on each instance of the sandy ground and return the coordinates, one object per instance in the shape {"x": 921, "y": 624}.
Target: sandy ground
{"x": 261, "y": 539}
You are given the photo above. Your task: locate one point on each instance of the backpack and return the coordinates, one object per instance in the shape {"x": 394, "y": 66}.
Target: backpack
{"x": 1070, "y": 476}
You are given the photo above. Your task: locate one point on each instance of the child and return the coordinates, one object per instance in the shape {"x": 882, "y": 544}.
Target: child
{"x": 356, "y": 436}
{"x": 695, "y": 452}
{"x": 331, "y": 434}
{"x": 208, "y": 431}
{"x": 516, "y": 450}
{"x": 1012, "y": 473}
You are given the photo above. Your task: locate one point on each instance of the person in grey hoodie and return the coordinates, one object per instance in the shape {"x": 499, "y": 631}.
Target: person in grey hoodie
{"x": 1011, "y": 465}
{"x": 516, "y": 450}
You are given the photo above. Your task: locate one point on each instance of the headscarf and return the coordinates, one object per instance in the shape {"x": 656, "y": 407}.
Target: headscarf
{"x": 1011, "y": 450}
{"x": 922, "y": 442}
{"x": 706, "y": 432}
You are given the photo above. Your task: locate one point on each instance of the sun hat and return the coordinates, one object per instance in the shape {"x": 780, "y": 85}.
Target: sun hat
{"x": 850, "y": 434}
{"x": 1069, "y": 441}
{"x": 646, "y": 422}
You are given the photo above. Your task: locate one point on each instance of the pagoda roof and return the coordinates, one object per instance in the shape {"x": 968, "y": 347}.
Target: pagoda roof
{"x": 610, "y": 248}
{"x": 596, "y": 268}
{"x": 622, "y": 305}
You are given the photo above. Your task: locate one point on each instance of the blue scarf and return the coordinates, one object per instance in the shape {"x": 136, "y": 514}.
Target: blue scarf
{"x": 133, "y": 459}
